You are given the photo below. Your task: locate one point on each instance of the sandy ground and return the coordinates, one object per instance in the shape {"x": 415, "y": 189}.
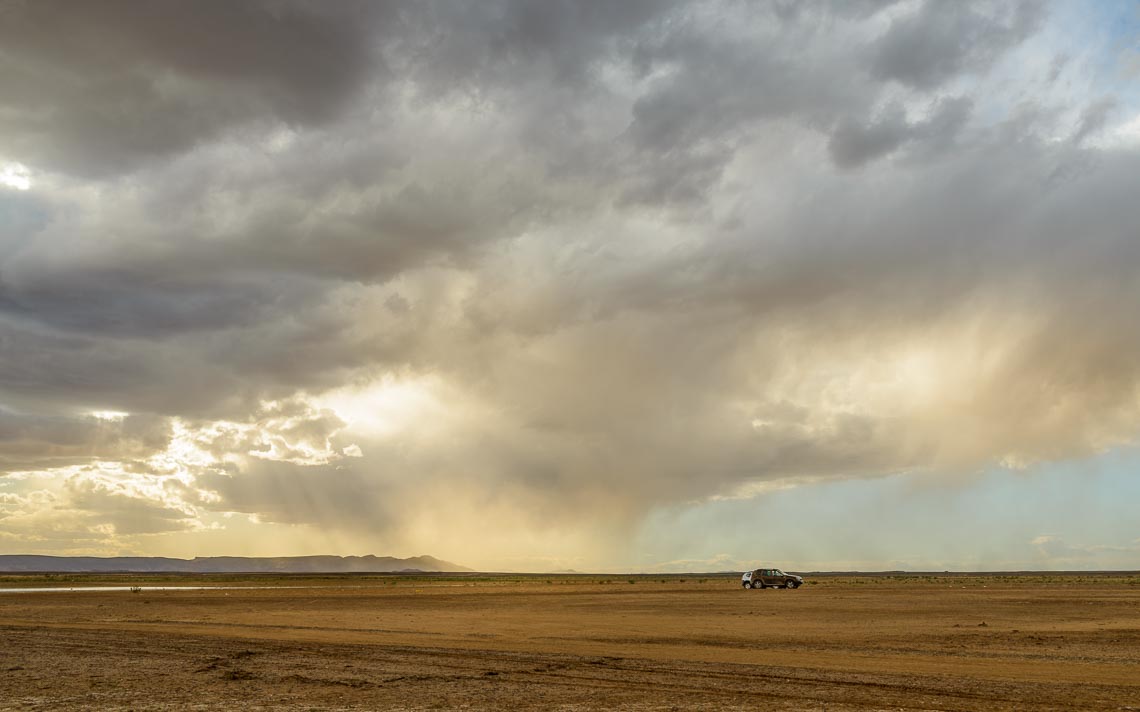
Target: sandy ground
{"x": 575, "y": 643}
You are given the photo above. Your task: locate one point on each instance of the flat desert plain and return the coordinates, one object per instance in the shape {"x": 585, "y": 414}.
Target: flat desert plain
{"x": 1044, "y": 642}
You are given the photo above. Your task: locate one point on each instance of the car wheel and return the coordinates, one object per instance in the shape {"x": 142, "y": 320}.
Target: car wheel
{"x": 747, "y": 584}
{"x": 791, "y": 585}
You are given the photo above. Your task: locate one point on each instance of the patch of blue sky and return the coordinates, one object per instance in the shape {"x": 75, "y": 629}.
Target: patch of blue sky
{"x": 1083, "y": 53}
{"x": 22, "y": 215}
{"x": 1079, "y": 514}
{"x": 1107, "y": 33}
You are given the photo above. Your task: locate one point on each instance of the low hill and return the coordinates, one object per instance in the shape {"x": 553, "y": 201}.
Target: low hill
{"x": 224, "y": 564}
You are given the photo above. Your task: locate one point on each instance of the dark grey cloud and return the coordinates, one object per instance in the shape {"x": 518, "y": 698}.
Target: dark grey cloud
{"x": 137, "y": 302}
{"x": 941, "y": 40}
{"x": 853, "y": 144}
{"x": 140, "y": 80}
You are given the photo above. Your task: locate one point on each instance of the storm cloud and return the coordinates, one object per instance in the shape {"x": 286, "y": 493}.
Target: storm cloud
{"x": 381, "y": 268}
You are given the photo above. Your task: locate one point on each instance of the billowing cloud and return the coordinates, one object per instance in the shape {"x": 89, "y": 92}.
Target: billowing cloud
{"x": 389, "y": 271}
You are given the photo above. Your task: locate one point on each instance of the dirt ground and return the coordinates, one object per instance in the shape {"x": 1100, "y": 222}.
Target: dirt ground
{"x": 580, "y": 643}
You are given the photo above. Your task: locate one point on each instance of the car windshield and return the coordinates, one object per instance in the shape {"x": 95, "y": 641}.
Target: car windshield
{"x": 778, "y": 572}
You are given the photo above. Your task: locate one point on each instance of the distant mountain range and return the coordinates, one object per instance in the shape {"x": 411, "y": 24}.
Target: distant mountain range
{"x": 225, "y": 564}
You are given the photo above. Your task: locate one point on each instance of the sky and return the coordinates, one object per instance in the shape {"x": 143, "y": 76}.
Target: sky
{"x": 544, "y": 285}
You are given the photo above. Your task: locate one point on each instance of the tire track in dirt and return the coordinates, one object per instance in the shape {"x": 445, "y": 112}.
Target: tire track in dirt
{"x": 520, "y": 647}
{"x": 387, "y": 666}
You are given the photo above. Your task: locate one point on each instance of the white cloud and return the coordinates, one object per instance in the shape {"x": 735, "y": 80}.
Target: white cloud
{"x": 15, "y": 175}
{"x": 1128, "y": 132}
